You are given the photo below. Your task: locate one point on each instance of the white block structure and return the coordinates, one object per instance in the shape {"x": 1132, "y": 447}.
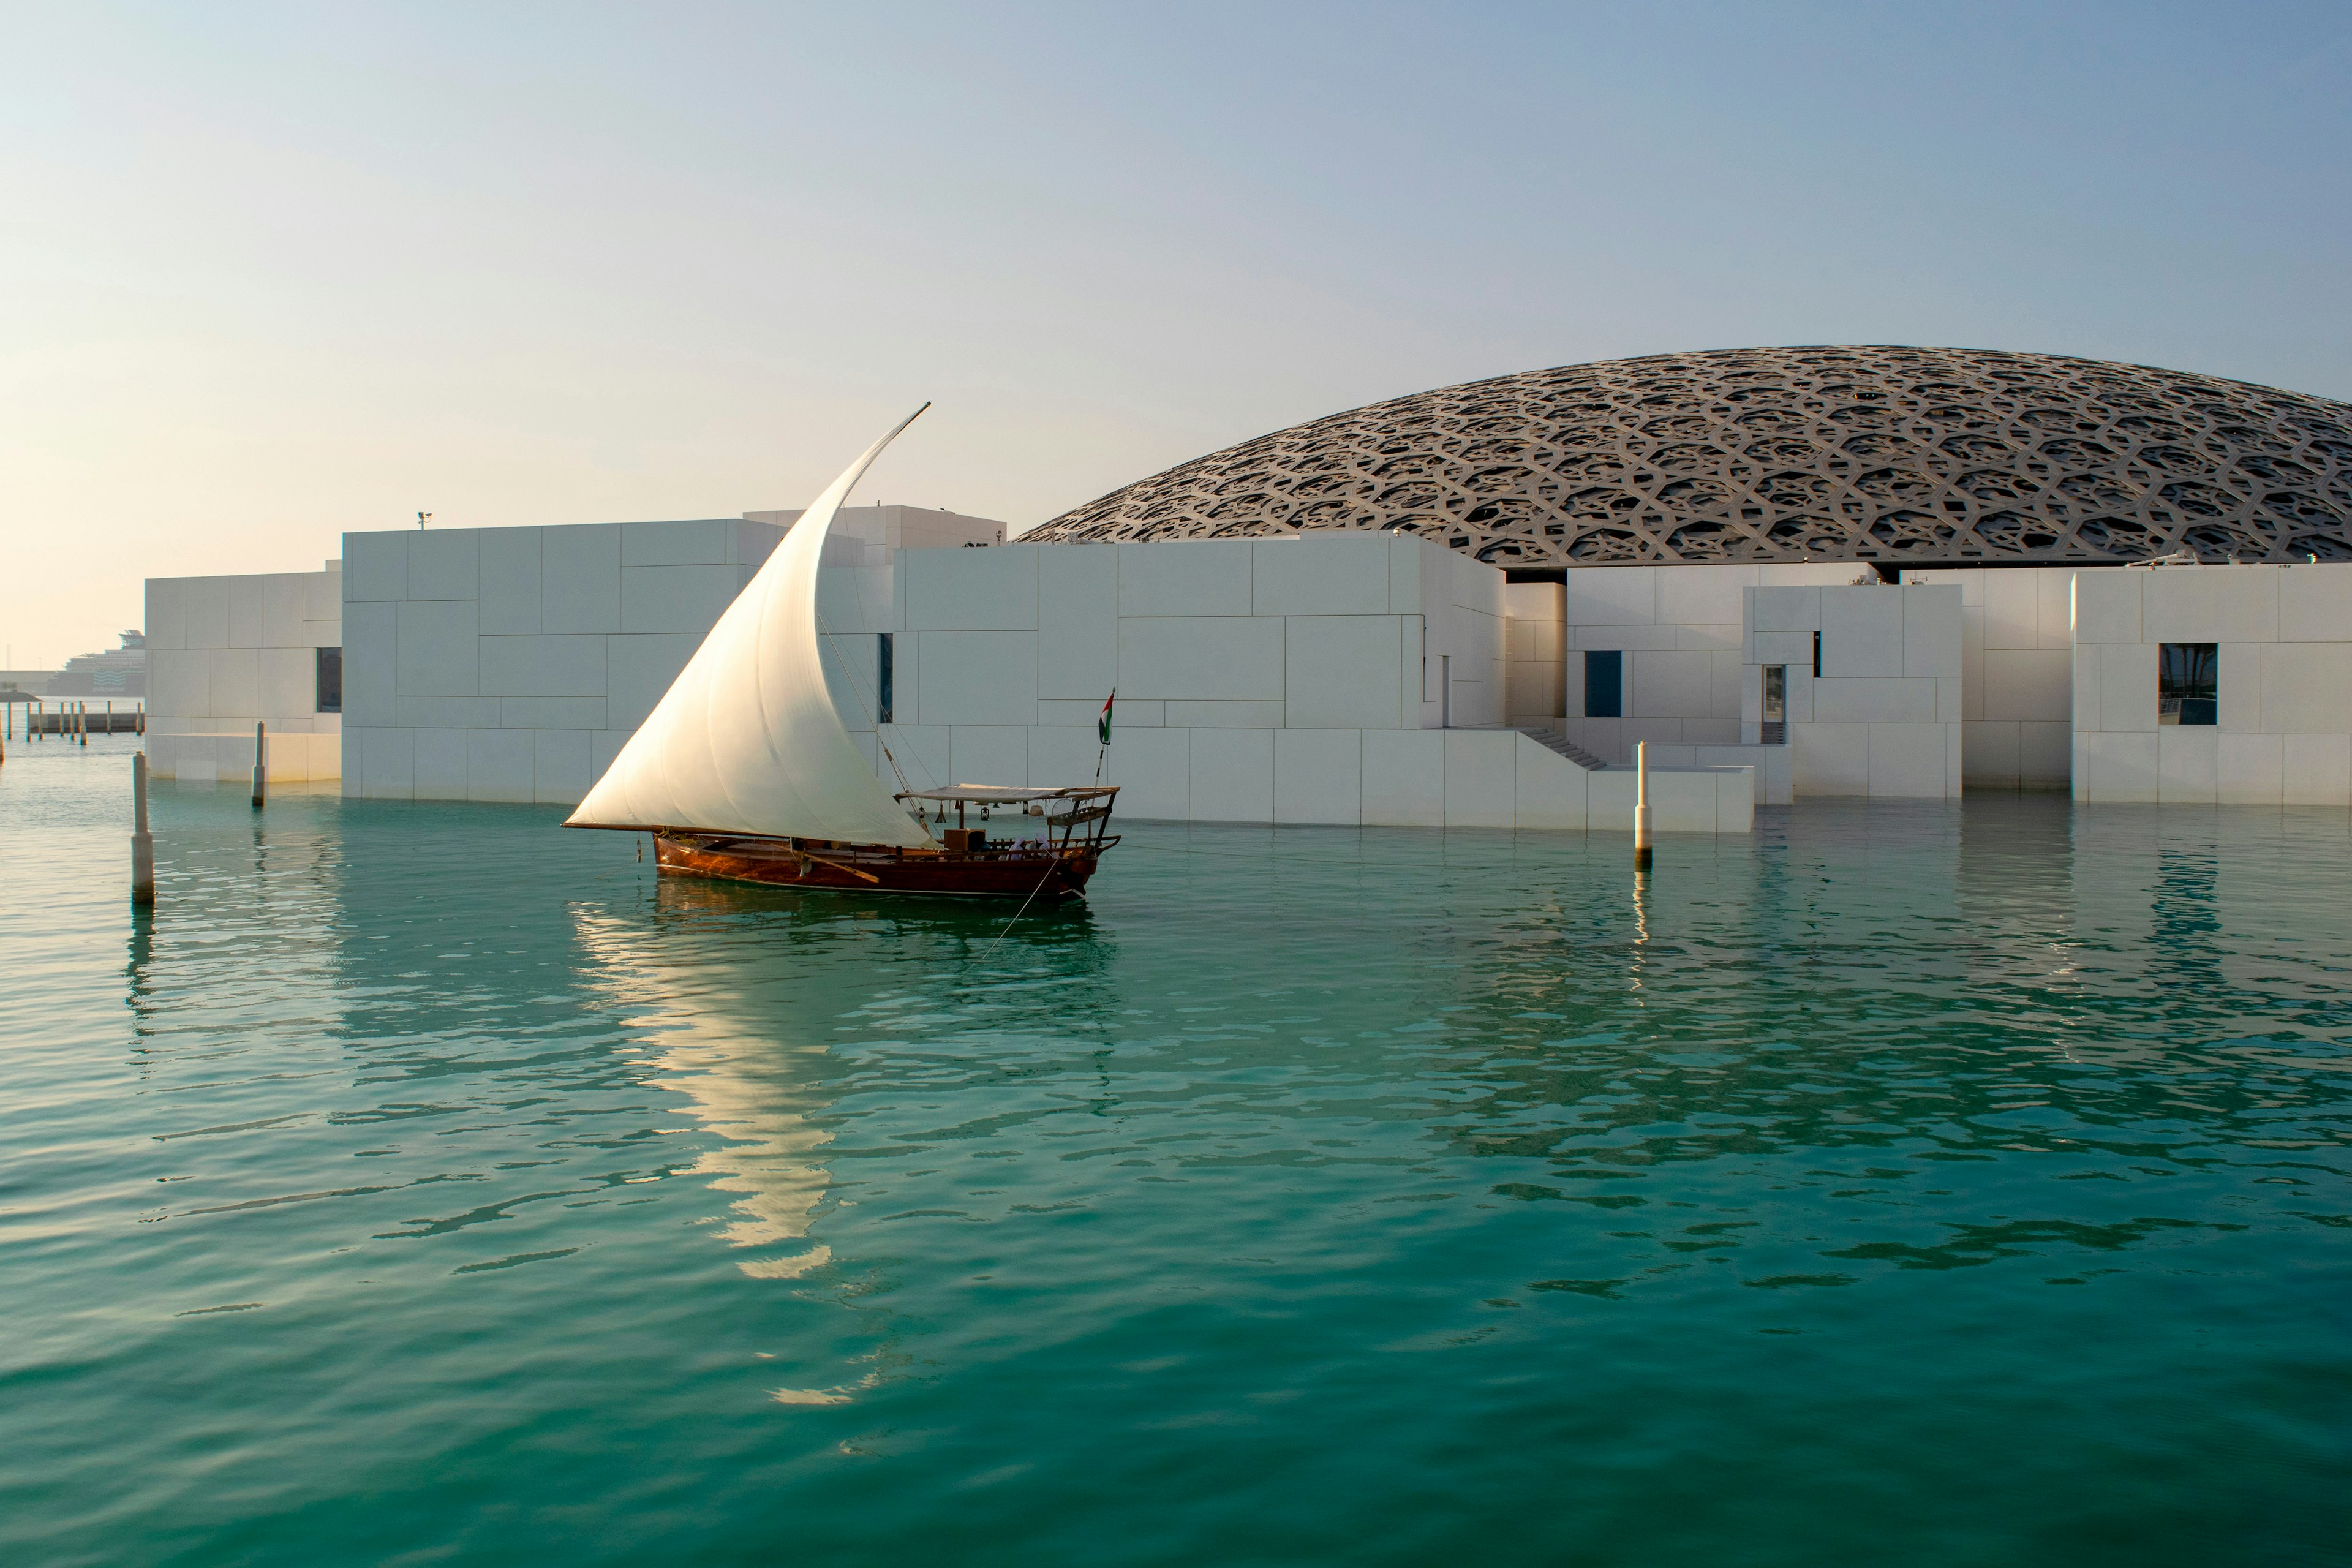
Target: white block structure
{"x": 1349, "y": 679}
{"x": 510, "y": 664}
{"x": 223, "y": 653}
{"x": 1883, "y": 717}
{"x": 1535, "y": 642}
{"x": 2283, "y": 729}
{"x": 1679, "y": 640}
{"x": 1340, "y": 676}
{"x": 2016, "y": 689}
{"x": 1355, "y": 680}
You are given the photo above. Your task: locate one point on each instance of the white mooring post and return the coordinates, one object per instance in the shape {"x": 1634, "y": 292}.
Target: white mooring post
{"x": 260, "y": 766}
{"x": 143, "y": 843}
{"x": 1642, "y": 805}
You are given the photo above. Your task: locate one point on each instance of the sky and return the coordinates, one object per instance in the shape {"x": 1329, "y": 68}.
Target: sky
{"x": 268, "y": 273}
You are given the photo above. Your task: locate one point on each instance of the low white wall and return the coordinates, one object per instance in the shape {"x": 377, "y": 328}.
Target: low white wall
{"x": 1883, "y": 717}
{"x": 1395, "y": 778}
{"x": 2017, "y": 651}
{"x": 2283, "y": 637}
{"x": 225, "y": 652}
{"x": 1773, "y": 765}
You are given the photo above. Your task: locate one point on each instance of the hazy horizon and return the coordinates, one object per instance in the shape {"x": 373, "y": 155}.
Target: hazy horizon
{"x": 275, "y": 272}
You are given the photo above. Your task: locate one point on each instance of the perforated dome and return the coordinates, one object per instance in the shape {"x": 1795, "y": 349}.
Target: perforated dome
{"x": 1900, "y": 455}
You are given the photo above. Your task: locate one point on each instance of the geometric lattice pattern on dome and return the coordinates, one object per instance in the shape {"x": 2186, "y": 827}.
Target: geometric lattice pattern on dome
{"x": 1898, "y": 454}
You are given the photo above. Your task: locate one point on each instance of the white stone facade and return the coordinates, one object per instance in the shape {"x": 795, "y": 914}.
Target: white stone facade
{"x": 510, "y": 664}
{"x": 2283, "y": 635}
{"x": 1683, "y": 636}
{"x": 225, "y": 652}
{"x": 1883, "y": 718}
{"x": 2017, "y": 690}
{"x": 1340, "y": 678}
{"x": 1351, "y": 679}
{"x": 1535, "y": 644}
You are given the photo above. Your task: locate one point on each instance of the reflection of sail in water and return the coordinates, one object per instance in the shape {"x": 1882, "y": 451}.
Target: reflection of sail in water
{"x": 721, "y": 1050}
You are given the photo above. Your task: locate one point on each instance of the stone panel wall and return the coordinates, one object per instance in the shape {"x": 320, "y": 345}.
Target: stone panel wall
{"x": 2283, "y": 637}
{"x": 225, "y": 652}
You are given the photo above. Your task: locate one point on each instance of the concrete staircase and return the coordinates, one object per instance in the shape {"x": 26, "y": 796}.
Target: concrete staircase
{"x": 1555, "y": 741}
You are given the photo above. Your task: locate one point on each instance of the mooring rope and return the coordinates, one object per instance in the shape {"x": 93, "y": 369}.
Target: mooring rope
{"x": 1052, "y": 866}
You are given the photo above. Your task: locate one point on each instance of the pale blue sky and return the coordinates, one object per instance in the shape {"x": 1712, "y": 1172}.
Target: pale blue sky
{"x": 273, "y": 272}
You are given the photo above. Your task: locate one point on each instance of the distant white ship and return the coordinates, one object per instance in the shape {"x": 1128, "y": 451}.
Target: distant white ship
{"x": 118, "y": 673}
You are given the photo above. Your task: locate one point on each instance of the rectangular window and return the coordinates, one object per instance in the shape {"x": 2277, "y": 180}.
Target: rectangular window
{"x": 331, "y": 680}
{"x": 885, "y": 677}
{"x": 2188, "y": 683}
{"x": 1776, "y": 705}
{"x": 1604, "y": 684}
{"x": 1817, "y": 655}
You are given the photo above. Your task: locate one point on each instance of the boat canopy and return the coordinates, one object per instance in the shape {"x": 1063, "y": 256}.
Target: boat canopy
{"x": 1007, "y": 795}
{"x": 747, "y": 739}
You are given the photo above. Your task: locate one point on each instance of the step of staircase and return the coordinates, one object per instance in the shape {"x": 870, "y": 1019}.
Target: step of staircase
{"x": 1555, "y": 741}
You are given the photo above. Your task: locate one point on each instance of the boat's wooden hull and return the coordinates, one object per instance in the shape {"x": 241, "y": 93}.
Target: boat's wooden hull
{"x": 1044, "y": 876}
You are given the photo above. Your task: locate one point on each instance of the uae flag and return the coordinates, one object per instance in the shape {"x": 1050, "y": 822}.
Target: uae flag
{"x": 1103, "y": 724}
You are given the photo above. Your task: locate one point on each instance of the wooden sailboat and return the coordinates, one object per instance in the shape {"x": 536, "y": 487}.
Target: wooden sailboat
{"x": 745, "y": 772}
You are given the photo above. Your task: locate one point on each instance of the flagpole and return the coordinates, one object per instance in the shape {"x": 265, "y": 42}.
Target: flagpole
{"x": 1103, "y": 750}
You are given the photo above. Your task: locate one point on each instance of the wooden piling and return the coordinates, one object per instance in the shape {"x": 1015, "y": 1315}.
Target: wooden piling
{"x": 1642, "y": 805}
{"x": 143, "y": 843}
{"x": 260, "y": 766}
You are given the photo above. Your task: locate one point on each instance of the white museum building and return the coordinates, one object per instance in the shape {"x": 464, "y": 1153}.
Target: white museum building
{"x": 1863, "y": 571}
{"x": 1339, "y": 677}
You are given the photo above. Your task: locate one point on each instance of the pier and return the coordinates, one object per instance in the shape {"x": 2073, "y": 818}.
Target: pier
{"x": 86, "y": 722}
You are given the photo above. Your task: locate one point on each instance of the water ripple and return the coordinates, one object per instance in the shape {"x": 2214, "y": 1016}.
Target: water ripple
{"x": 424, "y": 1182}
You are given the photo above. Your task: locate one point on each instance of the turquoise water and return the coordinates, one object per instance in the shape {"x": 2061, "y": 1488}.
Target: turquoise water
{"x": 425, "y": 1184}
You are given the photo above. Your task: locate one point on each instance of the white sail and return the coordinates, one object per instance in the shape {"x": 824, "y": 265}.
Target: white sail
{"x": 746, "y": 740}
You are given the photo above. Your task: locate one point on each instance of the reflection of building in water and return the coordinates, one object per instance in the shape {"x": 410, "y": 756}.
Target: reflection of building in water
{"x": 282, "y": 880}
{"x": 725, "y": 1049}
